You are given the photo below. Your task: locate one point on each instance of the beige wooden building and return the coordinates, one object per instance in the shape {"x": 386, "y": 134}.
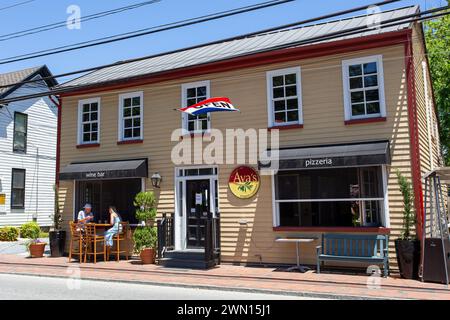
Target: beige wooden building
{"x": 362, "y": 100}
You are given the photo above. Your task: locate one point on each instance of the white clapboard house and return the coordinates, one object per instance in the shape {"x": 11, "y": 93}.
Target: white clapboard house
{"x": 28, "y": 131}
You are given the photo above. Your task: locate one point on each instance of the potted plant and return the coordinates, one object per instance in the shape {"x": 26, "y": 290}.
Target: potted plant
{"x": 407, "y": 247}
{"x": 145, "y": 235}
{"x": 57, "y": 236}
{"x": 36, "y": 248}
{"x": 145, "y": 243}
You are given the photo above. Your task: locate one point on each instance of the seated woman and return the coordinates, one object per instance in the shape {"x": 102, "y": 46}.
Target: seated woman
{"x": 115, "y": 221}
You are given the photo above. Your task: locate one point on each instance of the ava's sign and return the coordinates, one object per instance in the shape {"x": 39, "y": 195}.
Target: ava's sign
{"x": 244, "y": 182}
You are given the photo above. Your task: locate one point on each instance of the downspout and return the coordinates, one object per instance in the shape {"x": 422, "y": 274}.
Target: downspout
{"x": 429, "y": 115}
{"x": 58, "y": 104}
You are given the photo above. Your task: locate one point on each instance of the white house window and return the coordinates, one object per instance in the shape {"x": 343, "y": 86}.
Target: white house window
{"x": 363, "y": 88}
{"x": 131, "y": 116}
{"x": 89, "y": 121}
{"x": 341, "y": 197}
{"x": 284, "y": 97}
{"x": 18, "y": 189}
{"x": 193, "y": 93}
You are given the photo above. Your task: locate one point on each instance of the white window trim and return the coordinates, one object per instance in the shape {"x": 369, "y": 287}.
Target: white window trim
{"x": 270, "y": 111}
{"x": 184, "y": 116}
{"x": 346, "y": 85}
{"x": 80, "y": 119}
{"x": 384, "y": 214}
{"x": 122, "y": 97}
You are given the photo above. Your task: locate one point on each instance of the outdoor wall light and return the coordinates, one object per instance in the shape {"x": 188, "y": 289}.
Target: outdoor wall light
{"x": 156, "y": 180}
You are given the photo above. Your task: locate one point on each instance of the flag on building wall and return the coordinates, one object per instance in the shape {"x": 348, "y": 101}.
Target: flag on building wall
{"x": 210, "y": 105}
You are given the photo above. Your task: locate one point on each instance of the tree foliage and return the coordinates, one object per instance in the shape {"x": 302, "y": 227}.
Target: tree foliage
{"x": 437, "y": 35}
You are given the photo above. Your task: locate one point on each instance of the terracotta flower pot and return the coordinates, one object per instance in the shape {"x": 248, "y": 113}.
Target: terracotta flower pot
{"x": 37, "y": 250}
{"x": 148, "y": 256}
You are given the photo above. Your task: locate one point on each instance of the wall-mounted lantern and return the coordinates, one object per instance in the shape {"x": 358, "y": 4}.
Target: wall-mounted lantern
{"x": 156, "y": 180}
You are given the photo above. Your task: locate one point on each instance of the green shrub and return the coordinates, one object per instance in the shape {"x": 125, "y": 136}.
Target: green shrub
{"x": 43, "y": 234}
{"x": 145, "y": 203}
{"x": 145, "y": 237}
{"x": 30, "y": 230}
{"x": 9, "y": 234}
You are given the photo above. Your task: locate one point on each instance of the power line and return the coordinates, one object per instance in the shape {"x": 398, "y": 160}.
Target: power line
{"x": 62, "y": 24}
{"x": 384, "y": 24}
{"x": 298, "y": 23}
{"x": 142, "y": 32}
{"x": 16, "y": 5}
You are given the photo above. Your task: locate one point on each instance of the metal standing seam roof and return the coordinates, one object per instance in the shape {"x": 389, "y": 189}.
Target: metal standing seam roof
{"x": 234, "y": 48}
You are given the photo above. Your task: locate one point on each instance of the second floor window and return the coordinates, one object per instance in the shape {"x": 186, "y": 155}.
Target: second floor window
{"x": 363, "y": 88}
{"x": 20, "y": 132}
{"x": 194, "y": 93}
{"x": 131, "y": 116}
{"x": 89, "y": 121}
{"x": 284, "y": 97}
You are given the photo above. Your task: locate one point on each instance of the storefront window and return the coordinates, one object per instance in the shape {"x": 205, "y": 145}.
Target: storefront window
{"x": 330, "y": 197}
{"x": 102, "y": 194}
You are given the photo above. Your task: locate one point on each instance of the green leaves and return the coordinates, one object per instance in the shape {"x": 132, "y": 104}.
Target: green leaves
{"x": 144, "y": 238}
{"x": 145, "y": 203}
{"x": 437, "y": 37}
{"x": 409, "y": 219}
{"x": 246, "y": 186}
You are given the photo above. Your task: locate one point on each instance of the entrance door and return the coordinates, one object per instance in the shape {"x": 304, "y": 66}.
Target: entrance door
{"x": 197, "y": 208}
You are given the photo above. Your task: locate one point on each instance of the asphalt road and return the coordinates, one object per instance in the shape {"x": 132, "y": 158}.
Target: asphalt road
{"x": 18, "y": 287}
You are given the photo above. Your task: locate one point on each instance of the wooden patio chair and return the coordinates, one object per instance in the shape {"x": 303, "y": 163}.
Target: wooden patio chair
{"x": 76, "y": 237}
{"x": 124, "y": 236}
{"x": 91, "y": 240}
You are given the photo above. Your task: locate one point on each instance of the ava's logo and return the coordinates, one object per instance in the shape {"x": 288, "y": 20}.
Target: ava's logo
{"x": 244, "y": 182}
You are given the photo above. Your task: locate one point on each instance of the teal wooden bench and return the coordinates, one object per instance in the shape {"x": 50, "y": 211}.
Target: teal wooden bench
{"x": 355, "y": 248}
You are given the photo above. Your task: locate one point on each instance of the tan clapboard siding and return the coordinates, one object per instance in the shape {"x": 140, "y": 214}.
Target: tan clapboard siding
{"x": 436, "y": 154}
{"x": 323, "y": 124}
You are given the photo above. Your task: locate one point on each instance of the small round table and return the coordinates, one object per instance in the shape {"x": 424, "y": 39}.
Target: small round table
{"x": 297, "y": 241}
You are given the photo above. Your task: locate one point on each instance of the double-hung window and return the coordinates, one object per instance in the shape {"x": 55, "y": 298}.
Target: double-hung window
{"x": 363, "y": 88}
{"x": 18, "y": 189}
{"x": 89, "y": 121}
{"x": 20, "y": 132}
{"x": 193, "y": 93}
{"x": 131, "y": 112}
{"x": 284, "y": 97}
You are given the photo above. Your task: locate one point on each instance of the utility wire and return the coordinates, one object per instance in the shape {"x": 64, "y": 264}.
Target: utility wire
{"x": 66, "y": 89}
{"x": 62, "y": 24}
{"x": 142, "y": 32}
{"x": 385, "y": 24}
{"x": 16, "y": 5}
{"x": 298, "y": 23}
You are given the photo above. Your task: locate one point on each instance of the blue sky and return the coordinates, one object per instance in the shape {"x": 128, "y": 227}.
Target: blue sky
{"x": 42, "y": 12}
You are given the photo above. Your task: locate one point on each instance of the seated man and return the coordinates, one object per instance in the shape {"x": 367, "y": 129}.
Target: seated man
{"x": 85, "y": 215}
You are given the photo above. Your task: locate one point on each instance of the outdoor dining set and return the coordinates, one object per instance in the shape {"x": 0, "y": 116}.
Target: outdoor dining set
{"x": 88, "y": 240}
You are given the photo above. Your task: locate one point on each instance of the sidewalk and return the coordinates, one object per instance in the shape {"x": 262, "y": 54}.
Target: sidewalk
{"x": 229, "y": 277}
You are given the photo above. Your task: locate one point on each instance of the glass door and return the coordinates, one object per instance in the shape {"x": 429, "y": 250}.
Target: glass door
{"x": 197, "y": 208}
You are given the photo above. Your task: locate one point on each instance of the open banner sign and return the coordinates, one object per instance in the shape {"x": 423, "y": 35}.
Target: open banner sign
{"x": 210, "y": 105}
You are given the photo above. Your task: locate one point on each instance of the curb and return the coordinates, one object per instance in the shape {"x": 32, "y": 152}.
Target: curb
{"x": 213, "y": 287}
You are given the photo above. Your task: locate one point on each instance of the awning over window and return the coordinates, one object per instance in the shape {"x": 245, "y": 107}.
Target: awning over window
{"x": 105, "y": 170}
{"x": 329, "y": 156}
